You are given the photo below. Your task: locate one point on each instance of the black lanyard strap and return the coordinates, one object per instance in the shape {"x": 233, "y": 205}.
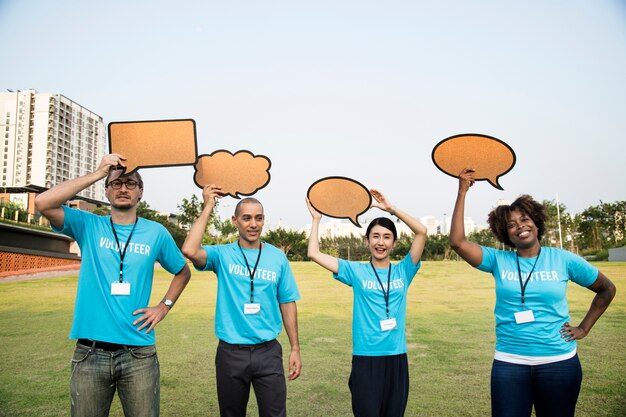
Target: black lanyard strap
{"x": 258, "y": 258}
{"x": 385, "y": 293}
{"x": 519, "y": 271}
{"x": 123, "y": 252}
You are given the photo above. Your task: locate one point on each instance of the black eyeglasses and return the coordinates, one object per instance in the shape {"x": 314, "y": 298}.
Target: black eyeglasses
{"x": 117, "y": 184}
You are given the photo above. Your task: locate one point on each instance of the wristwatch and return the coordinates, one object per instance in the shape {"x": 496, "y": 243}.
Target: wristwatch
{"x": 168, "y": 303}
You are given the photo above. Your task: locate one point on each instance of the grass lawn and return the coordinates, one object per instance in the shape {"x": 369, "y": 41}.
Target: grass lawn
{"x": 450, "y": 336}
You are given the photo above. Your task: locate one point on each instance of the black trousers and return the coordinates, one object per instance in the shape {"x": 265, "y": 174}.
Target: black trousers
{"x": 379, "y": 385}
{"x": 239, "y": 366}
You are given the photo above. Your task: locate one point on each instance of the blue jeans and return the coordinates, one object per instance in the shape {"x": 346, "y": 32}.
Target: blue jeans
{"x": 96, "y": 373}
{"x": 552, "y": 388}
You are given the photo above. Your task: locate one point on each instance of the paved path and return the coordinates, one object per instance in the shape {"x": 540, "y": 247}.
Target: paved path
{"x": 39, "y": 275}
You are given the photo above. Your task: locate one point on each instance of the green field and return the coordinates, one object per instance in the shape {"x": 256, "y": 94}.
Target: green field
{"x": 450, "y": 335}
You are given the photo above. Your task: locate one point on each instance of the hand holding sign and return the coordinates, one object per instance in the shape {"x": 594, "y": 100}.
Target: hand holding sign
{"x": 237, "y": 174}
{"x": 490, "y": 158}
{"x": 340, "y": 197}
{"x": 156, "y": 143}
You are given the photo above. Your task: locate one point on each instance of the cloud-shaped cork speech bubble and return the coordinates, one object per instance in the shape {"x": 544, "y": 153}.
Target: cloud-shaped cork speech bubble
{"x": 490, "y": 157}
{"x": 154, "y": 143}
{"x": 340, "y": 197}
{"x": 241, "y": 173}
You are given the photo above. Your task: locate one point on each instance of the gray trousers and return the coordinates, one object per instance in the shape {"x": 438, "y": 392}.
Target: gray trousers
{"x": 239, "y": 366}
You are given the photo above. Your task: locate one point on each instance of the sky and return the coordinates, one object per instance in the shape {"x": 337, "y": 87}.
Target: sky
{"x": 360, "y": 89}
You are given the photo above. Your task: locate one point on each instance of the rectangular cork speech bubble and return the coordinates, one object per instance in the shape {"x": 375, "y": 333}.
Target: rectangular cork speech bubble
{"x": 154, "y": 143}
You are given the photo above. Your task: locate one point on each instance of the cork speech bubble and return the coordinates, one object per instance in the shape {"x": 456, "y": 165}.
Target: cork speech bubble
{"x": 154, "y": 143}
{"x": 241, "y": 173}
{"x": 340, "y": 197}
{"x": 490, "y": 157}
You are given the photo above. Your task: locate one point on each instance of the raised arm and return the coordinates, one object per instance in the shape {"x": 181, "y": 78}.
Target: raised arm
{"x": 49, "y": 203}
{"x": 192, "y": 248}
{"x": 470, "y": 251}
{"x": 329, "y": 262}
{"x": 420, "y": 231}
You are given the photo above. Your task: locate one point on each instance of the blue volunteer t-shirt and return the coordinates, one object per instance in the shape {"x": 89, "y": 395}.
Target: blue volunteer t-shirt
{"x": 274, "y": 284}
{"x": 369, "y": 305}
{"x": 98, "y": 315}
{"x": 544, "y": 295}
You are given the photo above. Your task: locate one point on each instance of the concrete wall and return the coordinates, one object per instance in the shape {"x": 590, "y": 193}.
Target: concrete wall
{"x": 617, "y": 254}
{"x": 24, "y": 250}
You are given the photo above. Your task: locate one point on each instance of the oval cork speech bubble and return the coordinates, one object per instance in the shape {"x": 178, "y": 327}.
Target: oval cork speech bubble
{"x": 490, "y": 157}
{"x": 241, "y": 173}
{"x": 154, "y": 143}
{"x": 340, "y": 197}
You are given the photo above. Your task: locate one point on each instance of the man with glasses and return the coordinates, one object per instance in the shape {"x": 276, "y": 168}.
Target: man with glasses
{"x": 112, "y": 320}
{"x": 256, "y": 295}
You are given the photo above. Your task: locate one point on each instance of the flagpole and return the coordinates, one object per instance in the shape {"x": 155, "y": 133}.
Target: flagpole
{"x": 558, "y": 216}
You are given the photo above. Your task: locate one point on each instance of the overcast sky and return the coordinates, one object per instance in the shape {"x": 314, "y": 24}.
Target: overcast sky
{"x": 362, "y": 89}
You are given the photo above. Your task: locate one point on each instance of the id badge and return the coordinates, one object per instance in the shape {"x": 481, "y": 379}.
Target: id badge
{"x": 120, "y": 288}
{"x": 525, "y": 316}
{"x": 388, "y": 324}
{"x": 251, "y": 308}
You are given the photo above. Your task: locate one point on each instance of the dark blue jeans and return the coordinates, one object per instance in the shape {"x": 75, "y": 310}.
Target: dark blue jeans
{"x": 96, "y": 374}
{"x": 552, "y": 388}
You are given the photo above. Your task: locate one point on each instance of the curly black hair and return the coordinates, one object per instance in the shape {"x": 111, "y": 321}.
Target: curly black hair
{"x": 497, "y": 218}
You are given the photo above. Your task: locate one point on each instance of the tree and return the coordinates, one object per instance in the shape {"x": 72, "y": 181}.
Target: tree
{"x": 553, "y": 227}
{"x": 352, "y": 248}
{"x": 484, "y": 238}
{"x": 602, "y": 226}
{"x": 403, "y": 245}
{"x": 188, "y": 211}
{"x": 11, "y": 208}
{"x": 102, "y": 210}
{"x": 615, "y": 215}
{"x": 221, "y": 231}
{"x": 293, "y": 244}
{"x": 329, "y": 246}
{"x": 437, "y": 248}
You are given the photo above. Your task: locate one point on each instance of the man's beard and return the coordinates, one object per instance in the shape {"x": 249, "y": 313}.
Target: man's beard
{"x": 124, "y": 207}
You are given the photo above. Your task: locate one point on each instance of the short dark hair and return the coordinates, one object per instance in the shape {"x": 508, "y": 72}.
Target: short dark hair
{"x": 246, "y": 201}
{"x": 384, "y": 222}
{"x": 498, "y": 217}
{"x": 136, "y": 176}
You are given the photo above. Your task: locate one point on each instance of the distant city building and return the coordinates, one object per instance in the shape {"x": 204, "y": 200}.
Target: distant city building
{"x": 503, "y": 202}
{"x": 337, "y": 227}
{"x": 171, "y": 217}
{"x": 47, "y": 139}
{"x": 433, "y": 225}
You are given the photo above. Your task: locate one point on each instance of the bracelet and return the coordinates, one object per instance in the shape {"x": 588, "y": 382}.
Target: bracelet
{"x": 393, "y": 210}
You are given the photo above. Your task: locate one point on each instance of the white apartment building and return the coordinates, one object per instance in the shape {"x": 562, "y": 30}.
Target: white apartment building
{"x": 46, "y": 139}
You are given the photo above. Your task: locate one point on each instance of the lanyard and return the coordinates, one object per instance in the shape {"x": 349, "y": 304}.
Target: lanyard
{"x": 254, "y": 270}
{"x": 123, "y": 252}
{"x": 385, "y": 293}
{"x": 519, "y": 271}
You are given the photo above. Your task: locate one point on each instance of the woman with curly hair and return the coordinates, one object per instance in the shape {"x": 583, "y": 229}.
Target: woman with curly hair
{"x": 535, "y": 361}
